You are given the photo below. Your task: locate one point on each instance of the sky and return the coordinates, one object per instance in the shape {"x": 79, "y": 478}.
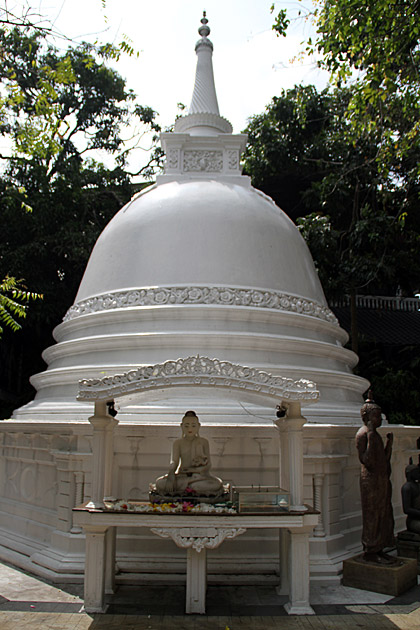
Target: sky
{"x": 251, "y": 63}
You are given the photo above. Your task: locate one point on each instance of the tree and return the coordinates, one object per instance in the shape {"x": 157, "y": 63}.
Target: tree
{"x": 57, "y": 108}
{"x": 373, "y": 48}
{"x": 291, "y": 132}
{"x": 359, "y": 221}
{"x": 25, "y": 18}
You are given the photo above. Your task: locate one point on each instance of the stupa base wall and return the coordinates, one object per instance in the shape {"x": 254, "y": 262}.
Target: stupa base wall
{"x": 45, "y": 472}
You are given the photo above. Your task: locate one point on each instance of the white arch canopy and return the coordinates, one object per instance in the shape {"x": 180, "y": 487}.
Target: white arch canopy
{"x": 198, "y": 371}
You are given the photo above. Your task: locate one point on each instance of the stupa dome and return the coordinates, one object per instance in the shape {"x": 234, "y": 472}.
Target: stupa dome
{"x": 199, "y": 263}
{"x": 201, "y": 232}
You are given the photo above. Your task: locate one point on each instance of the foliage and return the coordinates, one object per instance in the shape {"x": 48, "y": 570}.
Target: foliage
{"x": 394, "y": 373}
{"x": 380, "y": 40}
{"x": 373, "y": 47}
{"x": 56, "y": 110}
{"x": 25, "y": 18}
{"x": 360, "y": 224}
{"x": 281, "y": 22}
{"x": 58, "y": 107}
{"x": 13, "y": 296}
{"x": 285, "y": 152}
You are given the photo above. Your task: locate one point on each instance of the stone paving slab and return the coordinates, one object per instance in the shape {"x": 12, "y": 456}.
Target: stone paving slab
{"x": 29, "y": 603}
{"x": 13, "y": 620}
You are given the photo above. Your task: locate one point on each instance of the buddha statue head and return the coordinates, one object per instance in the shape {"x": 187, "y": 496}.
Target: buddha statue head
{"x": 371, "y": 412}
{"x": 190, "y": 425}
{"x": 412, "y": 471}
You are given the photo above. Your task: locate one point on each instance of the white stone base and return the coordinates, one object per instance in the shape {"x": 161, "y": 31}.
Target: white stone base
{"x": 297, "y": 609}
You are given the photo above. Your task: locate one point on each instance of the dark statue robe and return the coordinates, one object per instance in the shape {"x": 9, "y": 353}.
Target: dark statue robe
{"x": 375, "y": 491}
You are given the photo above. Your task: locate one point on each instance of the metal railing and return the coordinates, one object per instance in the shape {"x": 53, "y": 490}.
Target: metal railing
{"x": 381, "y": 302}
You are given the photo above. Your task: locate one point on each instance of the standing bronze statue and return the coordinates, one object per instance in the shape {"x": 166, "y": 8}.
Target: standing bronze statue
{"x": 375, "y": 485}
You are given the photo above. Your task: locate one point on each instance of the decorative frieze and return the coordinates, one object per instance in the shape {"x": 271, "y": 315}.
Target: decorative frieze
{"x": 172, "y": 159}
{"x": 233, "y": 160}
{"x": 225, "y": 296}
{"x": 200, "y": 119}
{"x": 197, "y": 371}
{"x": 203, "y": 161}
{"x": 198, "y": 538}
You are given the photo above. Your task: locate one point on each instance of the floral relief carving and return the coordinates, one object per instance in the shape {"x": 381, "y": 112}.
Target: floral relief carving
{"x": 229, "y": 296}
{"x": 203, "y": 161}
{"x": 197, "y": 371}
{"x": 233, "y": 159}
{"x": 173, "y": 158}
{"x": 198, "y": 537}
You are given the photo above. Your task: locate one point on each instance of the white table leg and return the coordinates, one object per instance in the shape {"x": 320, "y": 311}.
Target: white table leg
{"x": 196, "y": 581}
{"x": 95, "y": 569}
{"x": 299, "y": 573}
{"x": 283, "y": 587}
{"x": 110, "y": 560}
{"x": 197, "y": 540}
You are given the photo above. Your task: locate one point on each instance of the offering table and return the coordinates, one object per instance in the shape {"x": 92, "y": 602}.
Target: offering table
{"x": 196, "y": 533}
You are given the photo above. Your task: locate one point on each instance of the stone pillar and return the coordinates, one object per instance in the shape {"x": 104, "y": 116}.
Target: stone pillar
{"x": 283, "y": 587}
{"x": 102, "y": 454}
{"x": 195, "y": 601}
{"x": 298, "y": 603}
{"x": 319, "y": 530}
{"x": 284, "y": 477}
{"x": 78, "y": 496}
{"x": 109, "y": 457}
{"x": 110, "y": 544}
{"x": 95, "y": 569}
{"x": 291, "y": 436}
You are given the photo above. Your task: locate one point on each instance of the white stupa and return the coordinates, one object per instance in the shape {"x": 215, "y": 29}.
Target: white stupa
{"x": 199, "y": 263}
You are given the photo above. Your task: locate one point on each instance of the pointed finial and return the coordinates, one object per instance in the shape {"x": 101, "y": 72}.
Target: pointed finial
{"x": 204, "y": 30}
{"x": 203, "y": 115}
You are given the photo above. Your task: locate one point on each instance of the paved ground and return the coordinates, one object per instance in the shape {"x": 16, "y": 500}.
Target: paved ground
{"x": 28, "y": 602}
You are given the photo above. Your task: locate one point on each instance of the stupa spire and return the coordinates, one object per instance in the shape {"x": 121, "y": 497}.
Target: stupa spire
{"x": 204, "y": 99}
{"x": 203, "y": 116}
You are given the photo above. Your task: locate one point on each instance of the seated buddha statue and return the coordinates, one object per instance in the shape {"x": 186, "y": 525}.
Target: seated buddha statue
{"x": 411, "y": 497}
{"x": 190, "y": 464}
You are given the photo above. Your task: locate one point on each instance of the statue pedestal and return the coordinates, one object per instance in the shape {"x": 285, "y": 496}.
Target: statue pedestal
{"x": 154, "y": 497}
{"x": 392, "y": 579}
{"x": 408, "y": 546}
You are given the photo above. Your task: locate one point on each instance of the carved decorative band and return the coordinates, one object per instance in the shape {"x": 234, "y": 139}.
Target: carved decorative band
{"x": 198, "y": 537}
{"x": 202, "y": 118}
{"x": 203, "y": 161}
{"x": 228, "y": 296}
{"x": 197, "y": 371}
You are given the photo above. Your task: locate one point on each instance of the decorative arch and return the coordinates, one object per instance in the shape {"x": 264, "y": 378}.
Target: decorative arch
{"x": 197, "y": 371}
